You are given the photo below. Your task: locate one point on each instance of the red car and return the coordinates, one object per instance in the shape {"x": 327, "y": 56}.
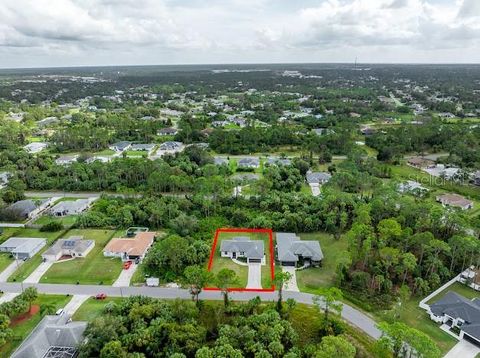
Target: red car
{"x": 126, "y": 265}
{"x": 100, "y": 296}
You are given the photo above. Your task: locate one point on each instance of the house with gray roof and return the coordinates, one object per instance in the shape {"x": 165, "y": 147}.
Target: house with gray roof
{"x": 48, "y": 121}
{"x": 278, "y": 161}
{"x": 73, "y": 246}
{"x": 143, "y": 147}
{"x": 28, "y": 208}
{"x": 411, "y": 186}
{"x": 220, "y": 161}
{"x": 4, "y": 179}
{"x": 71, "y": 207}
{"x": 243, "y": 247}
{"x": 319, "y": 178}
{"x": 66, "y": 159}
{"x": 35, "y": 147}
{"x": 171, "y": 146}
{"x": 456, "y": 311}
{"x": 54, "y": 336}
{"x": 120, "y": 146}
{"x": 167, "y": 131}
{"x": 249, "y": 163}
{"x": 23, "y": 247}
{"x": 292, "y": 251}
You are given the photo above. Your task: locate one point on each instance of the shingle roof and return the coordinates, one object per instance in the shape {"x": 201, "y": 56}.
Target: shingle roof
{"x": 290, "y": 247}
{"x": 23, "y": 207}
{"x": 318, "y": 177}
{"x": 23, "y": 244}
{"x": 457, "y": 306}
{"x": 253, "y": 249}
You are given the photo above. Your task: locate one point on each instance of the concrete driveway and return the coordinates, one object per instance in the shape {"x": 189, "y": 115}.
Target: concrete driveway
{"x": 315, "y": 189}
{"x": 36, "y": 275}
{"x": 75, "y": 304}
{"x": 254, "y": 276}
{"x": 463, "y": 349}
{"x": 125, "y": 276}
{"x": 8, "y": 296}
{"x": 10, "y": 269}
{"x": 291, "y": 285}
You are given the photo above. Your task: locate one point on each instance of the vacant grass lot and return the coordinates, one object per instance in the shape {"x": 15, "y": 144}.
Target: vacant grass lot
{"x": 220, "y": 263}
{"x": 92, "y": 308}
{"x": 31, "y": 264}
{"x": 311, "y": 279}
{"x": 93, "y": 269}
{"x": 23, "y": 329}
{"x": 66, "y": 221}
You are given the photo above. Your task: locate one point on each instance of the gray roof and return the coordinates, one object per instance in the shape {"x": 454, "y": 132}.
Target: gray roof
{"x": 52, "y": 331}
{"x": 318, "y": 177}
{"x": 24, "y": 207}
{"x": 457, "y": 306}
{"x": 22, "y": 244}
{"x": 74, "y": 243}
{"x": 146, "y": 147}
{"x": 71, "y": 206}
{"x": 171, "y": 145}
{"x": 121, "y": 145}
{"x": 253, "y": 249}
{"x": 168, "y": 130}
{"x": 220, "y": 161}
{"x": 245, "y": 176}
{"x": 290, "y": 247}
{"x": 278, "y": 161}
{"x": 249, "y": 161}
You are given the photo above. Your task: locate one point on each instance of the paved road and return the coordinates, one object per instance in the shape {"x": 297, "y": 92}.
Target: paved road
{"x": 10, "y": 270}
{"x": 75, "y": 194}
{"x": 350, "y": 314}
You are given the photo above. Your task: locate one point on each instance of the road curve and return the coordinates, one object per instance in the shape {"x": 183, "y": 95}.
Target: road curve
{"x": 350, "y": 314}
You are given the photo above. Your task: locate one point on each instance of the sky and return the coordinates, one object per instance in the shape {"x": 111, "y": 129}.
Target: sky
{"x": 53, "y": 33}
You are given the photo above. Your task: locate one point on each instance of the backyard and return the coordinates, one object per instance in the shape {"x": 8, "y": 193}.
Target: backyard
{"x": 92, "y": 269}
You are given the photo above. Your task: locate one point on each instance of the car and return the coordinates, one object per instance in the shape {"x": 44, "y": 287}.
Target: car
{"x": 100, "y": 296}
{"x": 127, "y": 264}
{"x": 137, "y": 260}
{"x": 60, "y": 312}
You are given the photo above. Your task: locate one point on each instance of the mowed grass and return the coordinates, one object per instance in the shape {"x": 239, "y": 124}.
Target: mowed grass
{"x": 459, "y": 288}
{"x": 93, "y": 269}
{"x": 66, "y": 221}
{"x": 241, "y": 271}
{"x": 5, "y": 260}
{"x": 31, "y": 264}
{"x": 334, "y": 251}
{"x": 23, "y": 329}
{"x": 92, "y": 308}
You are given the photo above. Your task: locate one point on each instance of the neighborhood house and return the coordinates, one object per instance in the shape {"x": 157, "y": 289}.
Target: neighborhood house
{"x": 292, "y": 251}
{"x": 249, "y": 162}
{"x": 35, "y": 147}
{"x": 120, "y": 146}
{"x": 71, "y": 207}
{"x": 23, "y": 247}
{"x": 130, "y": 249}
{"x": 27, "y": 209}
{"x": 74, "y": 246}
{"x": 455, "y": 200}
{"x": 243, "y": 247}
{"x": 318, "y": 178}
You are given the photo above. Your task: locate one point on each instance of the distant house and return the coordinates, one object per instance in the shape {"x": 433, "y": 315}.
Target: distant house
{"x": 143, "y": 147}
{"x": 171, "y": 146}
{"x": 16, "y": 117}
{"x": 120, "y": 146}
{"x": 455, "y": 200}
{"x": 130, "y": 249}
{"x": 47, "y": 121}
{"x": 167, "y": 131}
{"x": 217, "y": 124}
{"x": 243, "y": 247}
{"x": 458, "y": 312}
{"x": 54, "y": 336}
{"x": 367, "y": 131}
{"x": 74, "y": 246}
{"x": 35, "y": 147}
{"x": 249, "y": 162}
{"x": 319, "y": 178}
{"x": 278, "y": 161}
{"x": 411, "y": 186}
{"x": 66, "y": 159}
{"x": 4, "y": 179}
{"x": 148, "y": 118}
{"x": 23, "y": 247}
{"x": 321, "y": 131}
{"x": 476, "y": 178}
{"x": 220, "y": 161}
{"x": 420, "y": 162}
{"x": 27, "y": 209}
{"x": 291, "y": 250}
{"x": 71, "y": 207}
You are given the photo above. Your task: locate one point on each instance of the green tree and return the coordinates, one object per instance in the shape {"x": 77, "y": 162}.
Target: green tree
{"x": 113, "y": 349}
{"x": 30, "y": 294}
{"x": 335, "y": 346}
{"x": 329, "y": 300}
{"x": 5, "y": 331}
{"x": 196, "y": 277}
{"x": 224, "y": 280}
{"x": 280, "y": 279}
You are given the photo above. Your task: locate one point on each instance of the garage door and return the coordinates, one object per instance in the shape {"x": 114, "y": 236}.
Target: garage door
{"x": 257, "y": 261}
{"x": 288, "y": 263}
{"x": 471, "y": 339}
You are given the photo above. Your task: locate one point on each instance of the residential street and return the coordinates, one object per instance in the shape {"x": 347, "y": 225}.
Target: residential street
{"x": 350, "y": 314}
{"x": 5, "y": 274}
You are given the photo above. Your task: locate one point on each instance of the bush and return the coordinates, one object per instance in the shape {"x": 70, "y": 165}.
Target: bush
{"x": 51, "y": 226}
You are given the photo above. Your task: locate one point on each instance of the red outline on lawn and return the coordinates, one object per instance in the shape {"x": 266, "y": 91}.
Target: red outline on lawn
{"x": 272, "y": 270}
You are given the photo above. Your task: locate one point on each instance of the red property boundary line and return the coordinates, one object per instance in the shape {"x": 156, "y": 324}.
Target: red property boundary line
{"x": 272, "y": 269}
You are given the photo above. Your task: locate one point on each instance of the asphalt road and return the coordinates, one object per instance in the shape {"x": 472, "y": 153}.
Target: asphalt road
{"x": 350, "y": 314}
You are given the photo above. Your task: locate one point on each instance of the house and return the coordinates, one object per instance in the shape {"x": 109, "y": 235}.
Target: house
{"x": 16, "y": 117}
{"x": 55, "y": 336}
{"x": 476, "y": 178}
{"x": 128, "y": 249}
{"x": 243, "y": 247}
{"x": 120, "y": 146}
{"x": 48, "y": 121}
{"x": 74, "y": 246}
{"x": 143, "y": 147}
{"x": 455, "y": 200}
{"x": 4, "y": 179}
{"x": 35, "y": 147}
{"x": 278, "y": 161}
{"x": 291, "y": 250}
{"x": 167, "y": 131}
{"x": 71, "y": 207}
{"x": 420, "y": 162}
{"x": 367, "y": 131}
{"x": 411, "y": 186}
{"x": 23, "y": 247}
{"x": 321, "y": 131}
{"x": 220, "y": 161}
{"x": 249, "y": 163}
{"x": 98, "y": 158}
{"x": 66, "y": 159}
{"x": 171, "y": 146}
{"x": 458, "y": 312}
{"x": 318, "y": 178}
{"x": 27, "y": 209}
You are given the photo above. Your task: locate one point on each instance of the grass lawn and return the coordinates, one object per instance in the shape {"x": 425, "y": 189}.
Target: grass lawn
{"x": 91, "y": 308}
{"x": 92, "y": 269}
{"x": 23, "y": 329}
{"x": 5, "y": 260}
{"x": 66, "y": 221}
{"x": 31, "y": 264}
{"x": 459, "y": 288}
{"x": 104, "y": 152}
{"x": 6, "y": 233}
{"x": 313, "y": 278}
{"x": 220, "y": 263}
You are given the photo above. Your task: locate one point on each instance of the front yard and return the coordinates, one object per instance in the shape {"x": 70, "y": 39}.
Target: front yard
{"x": 92, "y": 308}
{"x": 93, "y": 269}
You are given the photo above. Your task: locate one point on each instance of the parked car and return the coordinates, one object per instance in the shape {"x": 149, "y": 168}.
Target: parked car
{"x": 127, "y": 264}
{"x": 59, "y": 312}
{"x": 137, "y": 260}
{"x": 100, "y": 296}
